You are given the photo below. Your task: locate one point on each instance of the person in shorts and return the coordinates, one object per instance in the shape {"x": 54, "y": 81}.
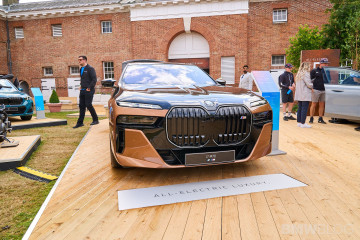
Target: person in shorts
{"x": 318, "y": 92}
{"x": 287, "y": 85}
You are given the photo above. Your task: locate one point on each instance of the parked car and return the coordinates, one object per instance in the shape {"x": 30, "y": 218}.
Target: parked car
{"x": 168, "y": 115}
{"x": 342, "y": 86}
{"x": 16, "y": 102}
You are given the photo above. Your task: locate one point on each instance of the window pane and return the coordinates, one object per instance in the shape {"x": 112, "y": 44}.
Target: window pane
{"x": 57, "y": 30}
{"x": 278, "y": 60}
{"x": 280, "y": 15}
{"x": 48, "y": 71}
{"x": 108, "y": 70}
{"x": 106, "y": 27}
{"x": 19, "y": 32}
{"x": 74, "y": 70}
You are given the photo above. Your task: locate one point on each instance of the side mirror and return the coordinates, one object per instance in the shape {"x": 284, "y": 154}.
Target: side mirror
{"x": 108, "y": 83}
{"x": 20, "y": 89}
{"x": 221, "y": 81}
{"x": 8, "y": 76}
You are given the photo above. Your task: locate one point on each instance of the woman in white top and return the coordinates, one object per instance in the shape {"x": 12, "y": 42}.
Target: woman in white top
{"x": 303, "y": 93}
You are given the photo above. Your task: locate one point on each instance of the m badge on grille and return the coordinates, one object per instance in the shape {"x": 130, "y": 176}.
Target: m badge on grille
{"x": 243, "y": 117}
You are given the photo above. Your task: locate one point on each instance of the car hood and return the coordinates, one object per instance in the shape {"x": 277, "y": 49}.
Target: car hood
{"x": 209, "y": 97}
{"x": 12, "y": 94}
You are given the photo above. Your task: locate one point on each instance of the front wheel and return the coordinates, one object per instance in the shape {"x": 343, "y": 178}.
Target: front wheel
{"x": 113, "y": 161}
{"x": 26, "y": 118}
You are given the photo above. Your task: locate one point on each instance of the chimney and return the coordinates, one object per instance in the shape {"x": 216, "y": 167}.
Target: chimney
{"x": 9, "y": 2}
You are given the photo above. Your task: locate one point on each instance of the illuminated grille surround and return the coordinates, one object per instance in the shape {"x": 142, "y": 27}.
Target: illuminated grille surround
{"x": 195, "y": 126}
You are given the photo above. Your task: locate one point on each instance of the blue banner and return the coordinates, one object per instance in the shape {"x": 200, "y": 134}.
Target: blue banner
{"x": 39, "y": 99}
{"x": 270, "y": 92}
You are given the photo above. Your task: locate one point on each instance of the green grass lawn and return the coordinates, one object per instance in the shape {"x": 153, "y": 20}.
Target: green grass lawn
{"x": 21, "y": 198}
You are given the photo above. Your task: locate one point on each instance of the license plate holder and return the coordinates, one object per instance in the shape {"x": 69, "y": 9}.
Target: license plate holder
{"x": 208, "y": 158}
{"x": 11, "y": 109}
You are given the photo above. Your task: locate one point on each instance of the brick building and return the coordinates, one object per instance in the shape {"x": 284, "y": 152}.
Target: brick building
{"x": 40, "y": 42}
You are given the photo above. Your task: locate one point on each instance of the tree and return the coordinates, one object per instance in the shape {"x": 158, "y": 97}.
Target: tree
{"x": 306, "y": 39}
{"x": 343, "y": 30}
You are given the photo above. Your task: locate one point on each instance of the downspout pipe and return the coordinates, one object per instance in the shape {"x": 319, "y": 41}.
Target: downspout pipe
{"x": 8, "y": 49}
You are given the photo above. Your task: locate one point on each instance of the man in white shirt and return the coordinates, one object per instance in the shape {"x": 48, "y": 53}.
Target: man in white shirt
{"x": 246, "y": 80}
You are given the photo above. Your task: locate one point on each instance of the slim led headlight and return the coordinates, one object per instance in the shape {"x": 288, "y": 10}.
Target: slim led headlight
{"x": 138, "y": 105}
{"x": 258, "y": 103}
{"x": 130, "y": 119}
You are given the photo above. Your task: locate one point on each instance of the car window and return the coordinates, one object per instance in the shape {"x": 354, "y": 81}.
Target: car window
{"x": 166, "y": 75}
{"x": 4, "y": 82}
{"x": 342, "y": 76}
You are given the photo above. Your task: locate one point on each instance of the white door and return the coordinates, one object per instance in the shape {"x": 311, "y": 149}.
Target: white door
{"x": 228, "y": 69}
{"x": 189, "y": 45}
{"x": 275, "y": 73}
{"x": 47, "y": 85}
{"x": 73, "y": 87}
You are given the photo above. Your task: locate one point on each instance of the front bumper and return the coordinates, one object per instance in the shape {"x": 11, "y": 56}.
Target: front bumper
{"x": 153, "y": 147}
{"x": 139, "y": 152}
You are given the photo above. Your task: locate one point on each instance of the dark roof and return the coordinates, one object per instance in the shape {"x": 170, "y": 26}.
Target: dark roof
{"x": 55, "y": 4}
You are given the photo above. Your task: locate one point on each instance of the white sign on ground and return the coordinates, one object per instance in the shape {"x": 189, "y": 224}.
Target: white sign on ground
{"x": 155, "y": 196}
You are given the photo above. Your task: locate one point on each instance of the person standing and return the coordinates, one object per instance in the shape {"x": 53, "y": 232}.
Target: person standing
{"x": 318, "y": 93}
{"x": 246, "y": 79}
{"x": 287, "y": 85}
{"x": 87, "y": 90}
{"x": 303, "y": 93}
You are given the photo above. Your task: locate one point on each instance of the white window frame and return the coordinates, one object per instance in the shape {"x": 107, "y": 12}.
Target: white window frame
{"x": 47, "y": 71}
{"x": 19, "y": 32}
{"x": 106, "y": 25}
{"x": 277, "y": 63}
{"x": 280, "y": 15}
{"x": 72, "y": 72}
{"x": 56, "y": 30}
{"x": 108, "y": 69}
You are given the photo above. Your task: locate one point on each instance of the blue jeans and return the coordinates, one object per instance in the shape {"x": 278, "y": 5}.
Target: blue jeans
{"x": 302, "y": 111}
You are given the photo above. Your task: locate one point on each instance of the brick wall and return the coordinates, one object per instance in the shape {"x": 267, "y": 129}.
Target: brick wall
{"x": 252, "y": 38}
{"x": 81, "y": 36}
{"x": 267, "y": 38}
{"x": 3, "y": 54}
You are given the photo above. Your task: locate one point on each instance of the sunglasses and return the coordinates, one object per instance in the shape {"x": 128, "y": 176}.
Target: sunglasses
{"x": 80, "y": 59}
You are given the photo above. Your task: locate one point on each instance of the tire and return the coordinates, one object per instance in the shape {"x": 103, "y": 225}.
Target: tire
{"x": 113, "y": 161}
{"x": 26, "y": 118}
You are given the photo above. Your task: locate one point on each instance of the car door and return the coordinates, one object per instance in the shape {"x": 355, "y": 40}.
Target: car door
{"x": 342, "y": 93}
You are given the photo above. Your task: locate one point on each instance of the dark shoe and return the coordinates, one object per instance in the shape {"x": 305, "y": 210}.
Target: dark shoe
{"x": 291, "y": 118}
{"x": 321, "y": 120}
{"x": 94, "y": 123}
{"x": 78, "y": 125}
{"x": 285, "y": 118}
{"x": 357, "y": 129}
{"x": 311, "y": 120}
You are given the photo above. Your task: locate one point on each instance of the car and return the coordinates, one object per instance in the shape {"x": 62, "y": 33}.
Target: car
{"x": 17, "y": 103}
{"x": 342, "y": 91}
{"x": 172, "y": 115}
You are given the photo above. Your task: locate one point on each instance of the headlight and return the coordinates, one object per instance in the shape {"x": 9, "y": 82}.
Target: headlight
{"x": 137, "y": 105}
{"x": 28, "y": 98}
{"x": 258, "y": 103}
{"x": 130, "y": 119}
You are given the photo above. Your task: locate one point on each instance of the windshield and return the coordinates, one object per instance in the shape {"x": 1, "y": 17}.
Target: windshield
{"x": 4, "y": 82}
{"x": 342, "y": 76}
{"x": 162, "y": 75}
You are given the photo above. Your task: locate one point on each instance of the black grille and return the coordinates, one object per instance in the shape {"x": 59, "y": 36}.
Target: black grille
{"x": 194, "y": 126}
{"x": 11, "y": 101}
{"x": 15, "y": 110}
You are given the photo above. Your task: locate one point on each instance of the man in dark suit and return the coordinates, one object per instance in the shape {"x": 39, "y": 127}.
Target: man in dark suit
{"x": 87, "y": 90}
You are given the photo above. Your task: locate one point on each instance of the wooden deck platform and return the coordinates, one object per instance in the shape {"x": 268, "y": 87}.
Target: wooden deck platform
{"x": 326, "y": 157}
